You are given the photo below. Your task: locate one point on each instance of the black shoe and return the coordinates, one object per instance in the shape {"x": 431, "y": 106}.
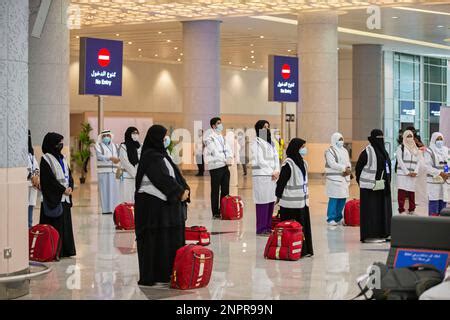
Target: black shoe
{"x": 217, "y": 217}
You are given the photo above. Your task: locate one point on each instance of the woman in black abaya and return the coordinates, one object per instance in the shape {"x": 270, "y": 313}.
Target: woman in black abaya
{"x": 160, "y": 204}
{"x": 376, "y": 206}
{"x": 54, "y": 192}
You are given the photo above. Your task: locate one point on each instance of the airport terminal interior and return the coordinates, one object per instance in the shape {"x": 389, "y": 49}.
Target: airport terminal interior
{"x": 346, "y": 66}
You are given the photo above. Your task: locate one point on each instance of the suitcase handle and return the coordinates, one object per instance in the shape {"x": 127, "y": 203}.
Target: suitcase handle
{"x": 204, "y": 258}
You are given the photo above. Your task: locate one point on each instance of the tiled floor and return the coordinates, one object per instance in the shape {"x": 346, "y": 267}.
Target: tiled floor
{"x": 106, "y": 263}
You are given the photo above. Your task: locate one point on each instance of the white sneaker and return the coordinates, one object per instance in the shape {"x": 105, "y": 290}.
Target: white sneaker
{"x": 332, "y": 223}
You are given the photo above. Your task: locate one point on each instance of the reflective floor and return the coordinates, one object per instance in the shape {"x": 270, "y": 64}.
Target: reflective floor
{"x": 106, "y": 263}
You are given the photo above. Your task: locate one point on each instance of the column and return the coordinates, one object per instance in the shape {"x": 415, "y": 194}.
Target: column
{"x": 13, "y": 145}
{"x": 49, "y": 75}
{"x": 201, "y": 79}
{"x": 367, "y": 94}
{"x": 318, "y": 106}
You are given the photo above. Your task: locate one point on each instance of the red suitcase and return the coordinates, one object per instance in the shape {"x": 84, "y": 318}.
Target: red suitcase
{"x": 285, "y": 242}
{"x": 44, "y": 243}
{"x": 351, "y": 213}
{"x": 192, "y": 267}
{"x": 124, "y": 216}
{"x": 231, "y": 208}
{"x": 197, "y": 235}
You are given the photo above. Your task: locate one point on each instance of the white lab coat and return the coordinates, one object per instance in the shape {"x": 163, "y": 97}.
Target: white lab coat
{"x": 33, "y": 168}
{"x": 437, "y": 191}
{"x": 127, "y": 184}
{"x": 217, "y": 151}
{"x": 265, "y": 162}
{"x": 405, "y": 182}
{"x": 334, "y": 188}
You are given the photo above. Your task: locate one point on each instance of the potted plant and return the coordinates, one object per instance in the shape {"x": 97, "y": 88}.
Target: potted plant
{"x": 83, "y": 154}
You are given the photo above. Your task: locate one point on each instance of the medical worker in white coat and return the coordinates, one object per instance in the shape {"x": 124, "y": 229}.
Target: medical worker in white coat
{"x": 129, "y": 154}
{"x": 107, "y": 164}
{"x": 437, "y": 160}
{"x": 33, "y": 180}
{"x": 337, "y": 172}
{"x": 265, "y": 171}
{"x": 407, "y": 169}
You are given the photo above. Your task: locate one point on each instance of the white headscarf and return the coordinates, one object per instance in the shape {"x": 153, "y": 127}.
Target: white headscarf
{"x": 442, "y": 151}
{"x": 411, "y": 146}
{"x": 343, "y": 153}
{"x": 104, "y": 132}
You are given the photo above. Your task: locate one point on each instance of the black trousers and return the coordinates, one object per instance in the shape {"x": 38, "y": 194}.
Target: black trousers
{"x": 220, "y": 185}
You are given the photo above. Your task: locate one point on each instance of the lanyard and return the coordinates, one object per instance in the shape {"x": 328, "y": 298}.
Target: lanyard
{"x": 66, "y": 175}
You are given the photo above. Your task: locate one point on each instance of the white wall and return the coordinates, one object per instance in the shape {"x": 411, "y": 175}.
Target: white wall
{"x": 156, "y": 87}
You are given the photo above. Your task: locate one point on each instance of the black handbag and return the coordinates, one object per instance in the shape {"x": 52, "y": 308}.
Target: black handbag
{"x": 52, "y": 213}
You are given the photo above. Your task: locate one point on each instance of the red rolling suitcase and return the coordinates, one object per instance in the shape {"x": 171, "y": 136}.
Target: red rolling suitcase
{"x": 197, "y": 235}
{"x": 44, "y": 243}
{"x": 285, "y": 242}
{"x": 124, "y": 216}
{"x": 192, "y": 267}
{"x": 351, "y": 213}
{"x": 231, "y": 208}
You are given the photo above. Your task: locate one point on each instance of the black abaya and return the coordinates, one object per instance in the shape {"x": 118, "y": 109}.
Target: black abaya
{"x": 376, "y": 206}
{"x": 159, "y": 224}
{"x": 52, "y": 192}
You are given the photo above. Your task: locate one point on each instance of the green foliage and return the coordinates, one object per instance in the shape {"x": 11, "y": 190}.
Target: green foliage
{"x": 84, "y": 152}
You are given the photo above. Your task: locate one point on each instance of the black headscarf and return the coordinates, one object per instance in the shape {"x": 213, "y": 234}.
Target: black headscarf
{"x": 292, "y": 152}
{"x": 50, "y": 143}
{"x": 30, "y": 145}
{"x": 259, "y": 126}
{"x": 132, "y": 146}
{"x": 378, "y": 144}
{"x": 153, "y": 144}
{"x": 154, "y": 139}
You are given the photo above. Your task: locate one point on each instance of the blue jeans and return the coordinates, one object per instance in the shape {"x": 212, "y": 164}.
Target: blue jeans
{"x": 435, "y": 207}
{"x": 335, "y": 207}
{"x": 30, "y": 216}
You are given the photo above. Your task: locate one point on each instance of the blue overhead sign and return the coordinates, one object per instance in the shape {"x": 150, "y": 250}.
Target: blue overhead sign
{"x": 100, "y": 67}
{"x": 283, "y": 79}
{"x": 435, "y": 109}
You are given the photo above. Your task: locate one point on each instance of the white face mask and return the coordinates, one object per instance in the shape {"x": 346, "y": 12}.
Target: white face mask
{"x": 303, "y": 151}
{"x": 135, "y": 137}
{"x": 340, "y": 144}
{"x": 439, "y": 144}
{"x": 219, "y": 127}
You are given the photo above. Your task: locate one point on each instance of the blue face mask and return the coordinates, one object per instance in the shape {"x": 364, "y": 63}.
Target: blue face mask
{"x": 219, "y": 127}
{"x": 340, "y": 144}
{"x": 106, "y": 140}
{"x": 303, "y": 151}
{"x": 166, "y": 142}
{"x": 439, "y": 144}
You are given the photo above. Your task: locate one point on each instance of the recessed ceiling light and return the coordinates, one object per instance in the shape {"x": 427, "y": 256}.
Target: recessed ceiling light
{"x": 440, "y": 26}
{"x": 129, "y": 42}
{"x": 117, "y": 34}
{"x": 159, "y": 32}
{"x": 156, "y": 55}
{"x": 178, "y": 59}
{"x": 181, "y": 53}
{"x": 394, "y": 17}
{"x": 253, "y": 51}
{"x": 262, "y": 37}
{"x": 289, "y": 50}
{"x": 243, "y": 69}
{"x": 253, "y": 61}
{"x": 169, "y": 40}
{"x": 252, "y": 57}
{"x": 78, "y": 37}
{"x": 139, "y": 49}
{"x": 176, "y": 48}
{"x": 251, "y": 44}
{"x": 229, "y": 62}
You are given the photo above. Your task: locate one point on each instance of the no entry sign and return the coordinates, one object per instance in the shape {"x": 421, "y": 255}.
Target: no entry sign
{"x": 101, "y": 67}
{"x": 104, "y": 57}
{"x": 283, "y": 79}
